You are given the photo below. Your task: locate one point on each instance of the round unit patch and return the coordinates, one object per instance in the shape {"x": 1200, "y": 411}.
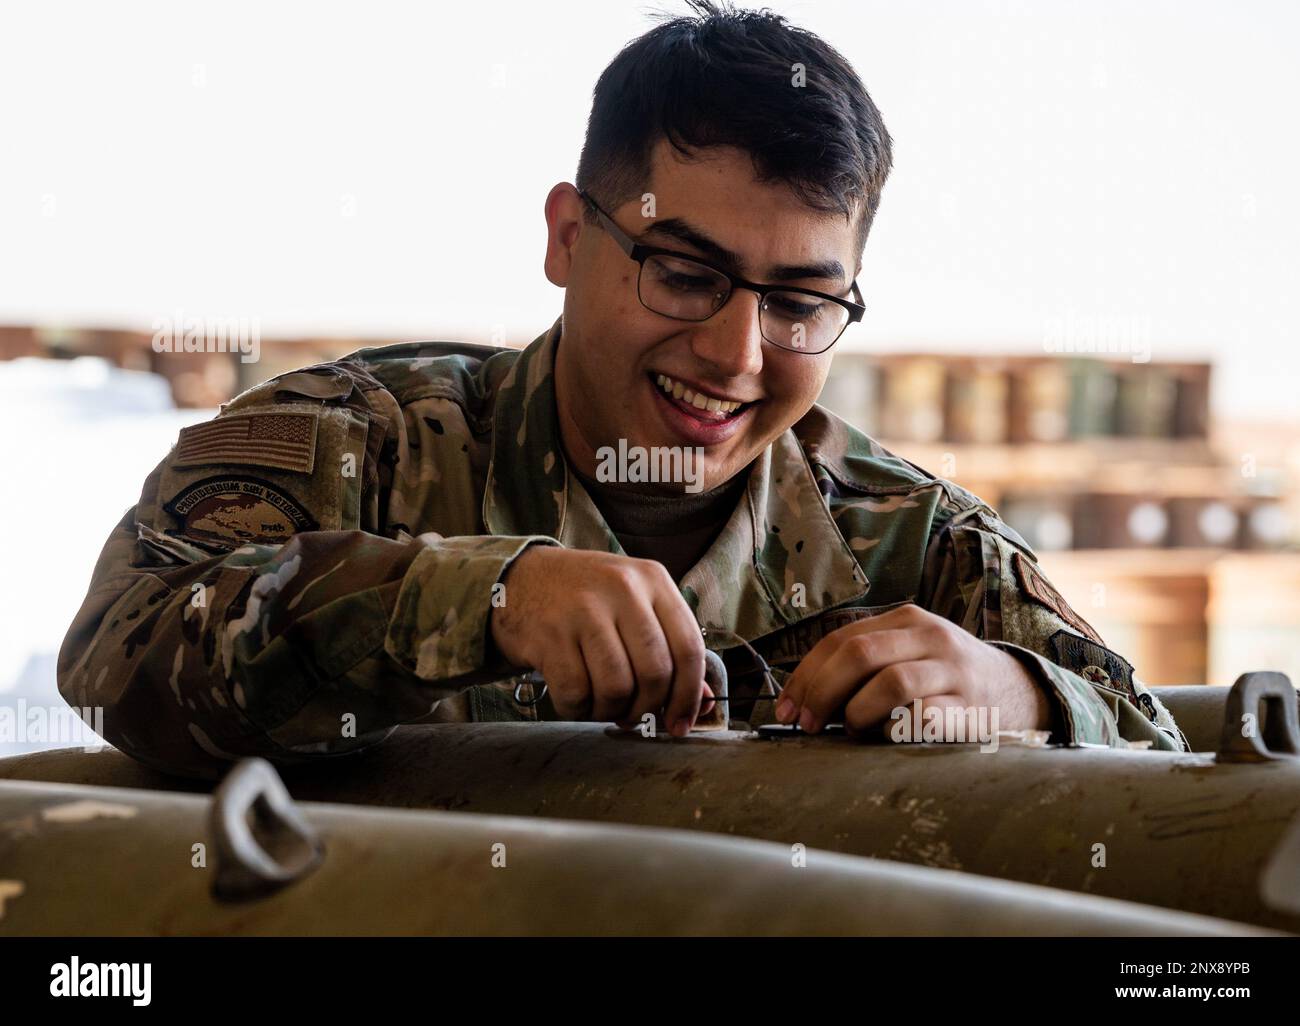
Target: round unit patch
{"x": 238, "y": 510}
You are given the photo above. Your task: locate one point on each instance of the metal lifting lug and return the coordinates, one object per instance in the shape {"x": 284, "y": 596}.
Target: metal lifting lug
{"x": 262, "y": 842}
{"x": 1260, "y": 721}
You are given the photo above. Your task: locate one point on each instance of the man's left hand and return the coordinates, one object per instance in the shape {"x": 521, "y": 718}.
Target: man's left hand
{"x": 871, "y": 667}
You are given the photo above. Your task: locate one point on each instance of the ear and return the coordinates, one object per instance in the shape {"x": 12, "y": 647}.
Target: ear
{"x": 563, "y": 228}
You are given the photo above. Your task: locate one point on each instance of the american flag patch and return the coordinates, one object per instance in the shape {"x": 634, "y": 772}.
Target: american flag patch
{"x": 283, "y": 440}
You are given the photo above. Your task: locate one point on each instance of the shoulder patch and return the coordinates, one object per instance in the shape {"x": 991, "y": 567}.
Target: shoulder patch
{"x": 286, "y": 441}
{"x": 238, "y": 510}
{"x": 1039, "y": 588}
{"x": 1096, "y": 664}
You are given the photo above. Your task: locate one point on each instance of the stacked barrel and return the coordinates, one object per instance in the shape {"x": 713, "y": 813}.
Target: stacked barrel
{"x": 1113, "y": 472}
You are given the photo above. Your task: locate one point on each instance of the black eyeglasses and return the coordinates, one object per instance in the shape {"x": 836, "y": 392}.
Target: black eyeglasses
{"x": 686, "y": 289}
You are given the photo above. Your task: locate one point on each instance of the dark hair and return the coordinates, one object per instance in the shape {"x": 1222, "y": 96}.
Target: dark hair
{"x": 724, "y": 77}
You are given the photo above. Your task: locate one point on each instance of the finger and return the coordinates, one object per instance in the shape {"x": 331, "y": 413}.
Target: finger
{"x": 811, "y": 663}
{"x": 651, "y": 660}
{"x": 567, "y": 682}
{"x": 896, "y": 687}
{"x": 682, "y": 634}
{"x": 612, "y": 682}
{"x": 855, "y": 661}
{"x": 859, "y": 730}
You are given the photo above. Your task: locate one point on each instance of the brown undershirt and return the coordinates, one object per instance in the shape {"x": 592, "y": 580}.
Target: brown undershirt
{"x": 676, "y": 529}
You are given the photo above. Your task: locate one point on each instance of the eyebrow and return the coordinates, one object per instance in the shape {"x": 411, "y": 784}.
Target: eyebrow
{"x": 684, "y": 231}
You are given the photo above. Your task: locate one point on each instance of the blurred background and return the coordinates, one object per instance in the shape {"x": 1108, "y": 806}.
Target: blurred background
{"x": 1081, "y": 285}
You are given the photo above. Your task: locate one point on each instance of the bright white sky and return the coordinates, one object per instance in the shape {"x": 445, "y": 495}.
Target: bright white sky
{"x": 379, "y": 168}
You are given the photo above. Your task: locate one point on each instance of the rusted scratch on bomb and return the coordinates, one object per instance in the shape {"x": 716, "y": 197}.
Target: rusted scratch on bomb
{"x": 1198, "y": 817}
{"x": 555, "y": 751}
{"x": 87, "y": 809}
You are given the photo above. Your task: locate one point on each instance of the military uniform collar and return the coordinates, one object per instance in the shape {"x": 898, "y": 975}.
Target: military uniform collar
{"x": 780, "y": 559}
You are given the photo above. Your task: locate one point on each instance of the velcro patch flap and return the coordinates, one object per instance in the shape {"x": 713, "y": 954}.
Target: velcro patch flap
{"x": 1034, "y": 584}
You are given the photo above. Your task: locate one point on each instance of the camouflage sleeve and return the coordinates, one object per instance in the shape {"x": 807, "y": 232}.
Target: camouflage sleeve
{"x": 250, "y": 605}
{"x": 982, "y": 575}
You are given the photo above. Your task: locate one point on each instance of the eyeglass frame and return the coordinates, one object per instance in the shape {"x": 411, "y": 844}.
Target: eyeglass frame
{"x": 640, "y": 253}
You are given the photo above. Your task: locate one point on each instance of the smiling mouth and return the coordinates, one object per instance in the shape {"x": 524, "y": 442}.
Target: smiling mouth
{"x": 698, "y": 404}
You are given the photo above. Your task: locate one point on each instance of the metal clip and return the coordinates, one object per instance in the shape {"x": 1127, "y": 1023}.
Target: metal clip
{"x": 715, "y": 675}
{"x": 538, "y": 685}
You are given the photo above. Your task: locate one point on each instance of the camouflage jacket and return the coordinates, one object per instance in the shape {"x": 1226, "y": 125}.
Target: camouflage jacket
{"x": 316, "y": 564}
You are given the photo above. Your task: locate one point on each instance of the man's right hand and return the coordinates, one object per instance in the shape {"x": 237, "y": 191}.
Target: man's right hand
{"x": 611, "y": 635}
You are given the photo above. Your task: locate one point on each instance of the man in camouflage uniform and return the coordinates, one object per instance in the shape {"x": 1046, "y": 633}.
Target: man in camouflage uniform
{"x": 403, "y": 533}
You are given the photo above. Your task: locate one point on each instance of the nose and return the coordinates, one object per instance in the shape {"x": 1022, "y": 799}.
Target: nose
{"x": 730, "y": 340}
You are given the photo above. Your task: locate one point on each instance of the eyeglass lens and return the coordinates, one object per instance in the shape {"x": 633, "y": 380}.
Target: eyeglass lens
{"x": 676, "y": 287}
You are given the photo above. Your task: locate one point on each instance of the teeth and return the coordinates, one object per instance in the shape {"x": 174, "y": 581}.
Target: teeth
{"x": 701, "y": 402}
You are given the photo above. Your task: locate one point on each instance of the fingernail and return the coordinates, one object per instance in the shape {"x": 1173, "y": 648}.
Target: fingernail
{"x": 806, "y": 721}
{"x": 682, "y": 727}
{"x": 785, "y": 710}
